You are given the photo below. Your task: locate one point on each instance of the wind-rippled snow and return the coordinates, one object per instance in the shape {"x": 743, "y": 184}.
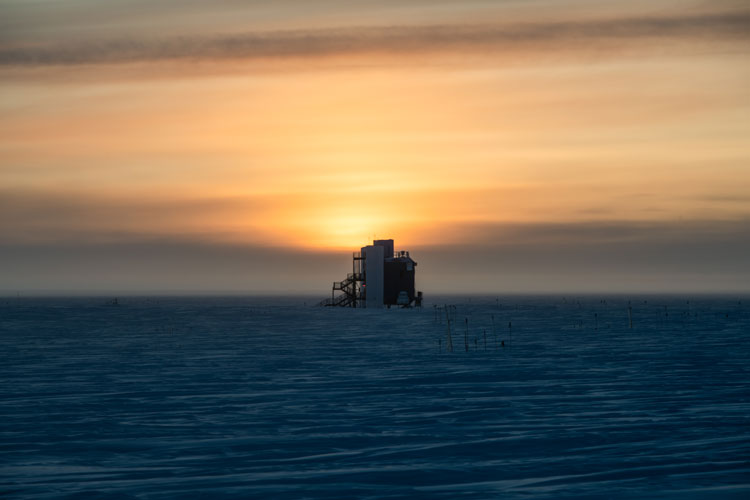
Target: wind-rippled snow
{"x": 273, "y": 398}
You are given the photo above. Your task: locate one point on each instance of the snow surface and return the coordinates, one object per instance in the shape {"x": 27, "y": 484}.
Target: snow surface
{"x": 274, "y": 398}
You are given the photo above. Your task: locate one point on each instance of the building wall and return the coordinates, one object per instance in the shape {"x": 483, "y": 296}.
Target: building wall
{"x": 398, "y": 276}
{"x": 374, "y": 262}
{"x": 387, "y": 247}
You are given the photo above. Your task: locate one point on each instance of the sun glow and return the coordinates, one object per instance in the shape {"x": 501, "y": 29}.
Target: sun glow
{"x": 326, "y": 158}
{"x": 343, "y": 232}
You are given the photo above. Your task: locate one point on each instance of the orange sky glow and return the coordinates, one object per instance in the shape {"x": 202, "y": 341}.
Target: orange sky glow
{"x": 425, "y": 139}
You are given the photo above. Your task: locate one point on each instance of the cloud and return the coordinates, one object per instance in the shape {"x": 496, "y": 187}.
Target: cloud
{"x": 48, "y": 216}
{"x": 491, "y": 236}
{"x": 399, "y": 40}
{"x": 618, "y": 256}
{"x": 166, "y": 264}
{"x": 615, "y": 256}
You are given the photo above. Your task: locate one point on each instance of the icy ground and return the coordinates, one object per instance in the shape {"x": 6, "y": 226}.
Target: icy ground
{"x": 273, "y": 398}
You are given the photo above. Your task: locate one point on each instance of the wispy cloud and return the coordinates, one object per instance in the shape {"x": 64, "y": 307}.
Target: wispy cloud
{"x": 609, "y": 256}
{"x": 390, "y": 40}
{"x": 33, "y": 216}
{"x": 604, "y": 256}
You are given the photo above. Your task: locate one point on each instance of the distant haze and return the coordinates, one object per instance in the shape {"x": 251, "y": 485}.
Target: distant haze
{"x": 250, "y": 147}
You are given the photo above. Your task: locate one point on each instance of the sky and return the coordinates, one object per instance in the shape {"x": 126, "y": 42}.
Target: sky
{"x": 250, "y": 147}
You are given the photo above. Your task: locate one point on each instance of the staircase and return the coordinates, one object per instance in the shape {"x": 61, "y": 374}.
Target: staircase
{"x": 351, "y": 294}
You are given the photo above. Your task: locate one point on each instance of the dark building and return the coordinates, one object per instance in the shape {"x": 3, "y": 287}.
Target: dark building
{"x": 379, "y": 278}
{"x": 398, "y": 279}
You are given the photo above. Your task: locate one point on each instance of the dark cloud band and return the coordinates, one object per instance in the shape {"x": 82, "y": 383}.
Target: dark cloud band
{"x": 391, "y": 40}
